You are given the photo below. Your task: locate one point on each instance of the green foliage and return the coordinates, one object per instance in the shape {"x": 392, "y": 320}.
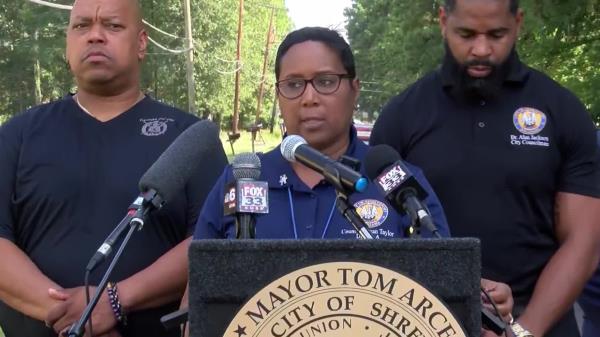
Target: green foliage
{"x": 214, "y": 25}
{"x": 19, "y": 49}
{"x": 215, "y": 32}
{"x": 562, "y": 39}
{"x": 396, "y": 42}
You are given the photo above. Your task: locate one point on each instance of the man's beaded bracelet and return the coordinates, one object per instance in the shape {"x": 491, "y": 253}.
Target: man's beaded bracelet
{"x": 113, "y": 299}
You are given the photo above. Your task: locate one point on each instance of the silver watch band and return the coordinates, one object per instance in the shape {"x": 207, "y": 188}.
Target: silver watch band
{"x": 518, "y": 330}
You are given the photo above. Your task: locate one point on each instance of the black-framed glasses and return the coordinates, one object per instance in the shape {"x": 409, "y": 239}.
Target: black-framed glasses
{"x": 325, "y": 84}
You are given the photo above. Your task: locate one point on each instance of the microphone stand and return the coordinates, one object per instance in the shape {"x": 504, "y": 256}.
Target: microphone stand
{"x": 419, "y": 216}
{"x": 246, "y": 227}
{"x": 151, "y": 200}
{"x": 349, "y": 212}
{"x": 77, "y": 329}
{"x": 414, "y": 230}
{"x": 332, "y": 175}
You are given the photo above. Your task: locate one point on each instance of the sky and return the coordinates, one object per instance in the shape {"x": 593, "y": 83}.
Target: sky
{"x": 326, "y": 13}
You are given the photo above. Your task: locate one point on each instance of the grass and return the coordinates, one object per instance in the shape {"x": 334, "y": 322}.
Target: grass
{"x": 265, "y": 141}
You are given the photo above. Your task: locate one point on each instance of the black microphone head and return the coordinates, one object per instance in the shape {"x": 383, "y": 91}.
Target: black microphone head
{"x": 391, "y": 175}
{"x": 168, "y": 175}
{"x": 378, "y": 158}
{"x": 289, "y": 145}
{"x": 246, "y": 166}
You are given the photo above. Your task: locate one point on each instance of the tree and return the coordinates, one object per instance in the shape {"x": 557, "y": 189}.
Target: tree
{"x": 562, "y": 39}
{"x": 215, "y": 32}
{"x": 31, "y": 55}
{"x": 395, "y": 43}
{"x": 32, "y": 62}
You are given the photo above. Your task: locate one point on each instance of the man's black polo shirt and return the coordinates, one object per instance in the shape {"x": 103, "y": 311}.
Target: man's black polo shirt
{"x": 497, "y": 165}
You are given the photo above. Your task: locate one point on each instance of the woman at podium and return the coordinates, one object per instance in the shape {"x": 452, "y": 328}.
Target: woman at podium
{"x": 317, "y": 91}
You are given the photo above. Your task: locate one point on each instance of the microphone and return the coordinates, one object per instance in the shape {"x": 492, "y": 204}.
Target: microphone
{"x": 246, "y": 196}
{"x": 166, "y": 178}
{"x": 134, "y": 213}
{"x": 198, "y": 144}
{"x": 399, "y": 186}
{"x": 294, "y": 148}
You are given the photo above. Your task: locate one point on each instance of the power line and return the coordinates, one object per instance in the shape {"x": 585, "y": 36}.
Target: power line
{"x": 229, "y": 72}
{"x": 67, "y": 7}
{"x": 51, "y": 4}
{"x": 158, "y": 53}
{"x": 223, "y": 60}
{"x": 174, "y": 51}
{"x": 161, "y": 31}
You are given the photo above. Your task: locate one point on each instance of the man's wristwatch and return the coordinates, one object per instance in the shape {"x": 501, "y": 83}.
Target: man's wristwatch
{"x": 518, "y": 330}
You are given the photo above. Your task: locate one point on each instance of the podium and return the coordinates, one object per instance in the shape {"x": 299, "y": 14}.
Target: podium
{"x": 224, "y": 274}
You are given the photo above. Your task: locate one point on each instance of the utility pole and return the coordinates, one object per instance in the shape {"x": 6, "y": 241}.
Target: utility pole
{"x": 273, "y": 115}
{"x": 236, "y": 99}
{"x": 270, "y": 38}
{"x": 191, "y": 86}
{"x": 37, "y": 71}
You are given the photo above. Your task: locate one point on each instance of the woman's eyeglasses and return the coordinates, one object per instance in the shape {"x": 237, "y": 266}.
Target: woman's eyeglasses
{"x": 325, "y": 84}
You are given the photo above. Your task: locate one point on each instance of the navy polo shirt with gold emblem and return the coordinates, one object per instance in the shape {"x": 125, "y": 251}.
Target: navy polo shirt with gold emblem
{"x": 497, "y": 164}
{"x": 297, "y": 211}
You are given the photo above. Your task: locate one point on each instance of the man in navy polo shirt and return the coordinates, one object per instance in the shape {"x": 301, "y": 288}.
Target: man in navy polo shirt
{"x": 512, "y": 156}
{"x": 69, "y": 170}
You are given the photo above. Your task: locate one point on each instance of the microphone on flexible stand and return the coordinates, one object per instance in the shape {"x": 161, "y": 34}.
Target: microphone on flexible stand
{"x": 294, "y": 148}
{"x": 343, "y": 178}
{"x": 162, "y": 181}
{"x": 134, "y": 214}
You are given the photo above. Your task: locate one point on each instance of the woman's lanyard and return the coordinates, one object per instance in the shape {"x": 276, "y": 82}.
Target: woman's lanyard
{"x": 293, "y": 215}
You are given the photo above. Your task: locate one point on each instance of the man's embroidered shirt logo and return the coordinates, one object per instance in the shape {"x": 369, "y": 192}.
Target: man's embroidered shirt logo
{"x": 373, "y": 212}
{"x": 155, "y": 126}
{"x": 529, "y": 121}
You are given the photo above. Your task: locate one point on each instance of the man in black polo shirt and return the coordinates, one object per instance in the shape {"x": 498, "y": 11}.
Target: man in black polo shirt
{"x": 68, "y": 172}
{"x": 511, "y": 154}
{"x": 590, "y": 297}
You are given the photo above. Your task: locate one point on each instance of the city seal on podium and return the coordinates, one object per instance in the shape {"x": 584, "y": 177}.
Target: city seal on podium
{"x": 341, "y": 299}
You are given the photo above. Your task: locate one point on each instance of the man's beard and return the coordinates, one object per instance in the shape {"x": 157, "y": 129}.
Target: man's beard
{"x": 477, "y": 87}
